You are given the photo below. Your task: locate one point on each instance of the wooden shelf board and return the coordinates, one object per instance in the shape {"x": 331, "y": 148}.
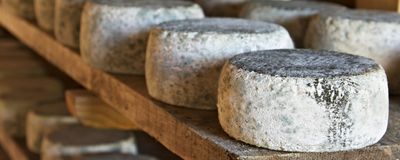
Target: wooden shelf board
{"x": 191, "y": 134}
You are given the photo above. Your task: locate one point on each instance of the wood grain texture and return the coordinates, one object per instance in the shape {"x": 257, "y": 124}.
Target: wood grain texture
{"x": 191, "y": 134}
{"x": 11, "y": 147}
{"x": 94, "y": 112}
{"x": 387, "y": 5}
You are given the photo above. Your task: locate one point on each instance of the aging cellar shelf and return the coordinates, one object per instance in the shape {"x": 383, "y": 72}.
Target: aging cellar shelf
{"x": 191, "y": 134}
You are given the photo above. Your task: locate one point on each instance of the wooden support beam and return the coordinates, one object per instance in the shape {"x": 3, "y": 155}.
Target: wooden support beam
{"x": 387, "y": 5}
{"x": 94, "y": 112}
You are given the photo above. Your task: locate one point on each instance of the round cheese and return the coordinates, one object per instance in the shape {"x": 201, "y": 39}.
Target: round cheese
{"x": 67, "y": 21}
{"x": 184, "y": 58}
{"x": 44, "y": 12}
{"x": 293, "y": 15}
{"x": 365, "y": 33}
{"x": 221, "y": 8}
{"x": 75, "y": 140}
{"x": 303, "y": 100}
{"x": 23, "y": 8}
{"x": 44, "y": 119}
{"x": 121, "y": 48}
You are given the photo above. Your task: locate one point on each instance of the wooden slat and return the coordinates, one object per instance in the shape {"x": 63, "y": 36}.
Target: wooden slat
{"x": 14, "y": 151}
{"x": 387, "y": 5}
{"x": 191, "y": 134}
{"x": 94, "y": 112}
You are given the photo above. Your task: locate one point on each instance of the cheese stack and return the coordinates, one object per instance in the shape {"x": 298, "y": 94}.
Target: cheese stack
{"x": 293, "y": 15}
{"x": 67, "y": 21}
{"x": 184, "y": 58}
{"x": 44, "y": 12}
{"x": 303, "y": 100}
{"x": 44, "y": 119}
{"x": 76, "y": 140}
{"x": 121, "y": 48}
{"x": 366, "y": 33}
{"x": 23, "y": 8}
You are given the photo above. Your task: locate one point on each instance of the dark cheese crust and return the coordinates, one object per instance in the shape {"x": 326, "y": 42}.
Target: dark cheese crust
{"x": 304, "y": 63}
{"x": 220, "y": 25}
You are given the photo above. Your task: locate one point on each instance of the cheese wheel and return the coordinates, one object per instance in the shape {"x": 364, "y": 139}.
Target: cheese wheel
{"x": 44, "y": 119}
{"x": 121, "y": 48}
{"x": 22, "y": 8}
{"x": 18, "y": 96}
{"x": 67, "y": 21}
{"x": 184, "y": 58}
{"x": 364, "y": 33}
{"x": 293, "y": 15}
{"x": 303, "y": 100}
{"x": 44, "y": 11}
{"x": 221, "y": 8}
{"x": 75, "y": 140}
{"x": 111, "y": 157}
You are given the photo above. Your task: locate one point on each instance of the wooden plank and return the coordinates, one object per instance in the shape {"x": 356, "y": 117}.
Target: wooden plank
{"x": 14, "y": 151}
{"x": 387, "y": 5}
{"x": 191, "y": 134}
{"x": 94, "y": 112}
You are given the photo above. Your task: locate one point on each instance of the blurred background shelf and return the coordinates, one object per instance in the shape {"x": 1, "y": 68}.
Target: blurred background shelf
{"x": 191, "y": 134}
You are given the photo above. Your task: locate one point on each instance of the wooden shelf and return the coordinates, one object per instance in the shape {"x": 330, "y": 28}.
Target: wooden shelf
{"x": 191, "y": 134}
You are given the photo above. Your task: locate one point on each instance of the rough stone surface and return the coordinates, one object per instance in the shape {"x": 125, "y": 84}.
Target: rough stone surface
{"x": 121, "y": 48}
{"x": 74, "y": 140}
{"x": 184, "y": 58}
{"x": 23, "y": 8}
{"x": 221, "y": 8}
{"x": 19, "y": 95}
{"x": 44, "y": 12}
{"x": 67, "y": 21}
{"x": 365, "y": 33}
{"x": 303, "y": 100}
{"x": 293, "y": 15}
{"x": 44, "y": 119}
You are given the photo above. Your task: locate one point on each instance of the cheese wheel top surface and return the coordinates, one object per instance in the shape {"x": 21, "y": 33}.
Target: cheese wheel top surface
{"x": 304, "y": 63}
{"x": 144, "y": 3}
{"x": 220, "y": 25}
{"x": 76, "y": 135}
{"x": 365, "y": 15}
{"x": 298, "y": 5}
{"x": 55, "y": 108}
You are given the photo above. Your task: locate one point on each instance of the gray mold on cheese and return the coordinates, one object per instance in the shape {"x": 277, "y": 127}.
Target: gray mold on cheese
{"x": 303, "y": 100}
{"x": 44, "y": 12}
{"x": 184, "y": 58}
{"x": 67, "y": 21}
{"x": 293, "y": 15}
{"x": 366, "y": 33}
{"x": 22, "y": 8}
{"x": 221, "y": 8}
{"x": 74, "y": 140}
{"x": 44, "y": 119}
{"x": 121, "y": 48}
